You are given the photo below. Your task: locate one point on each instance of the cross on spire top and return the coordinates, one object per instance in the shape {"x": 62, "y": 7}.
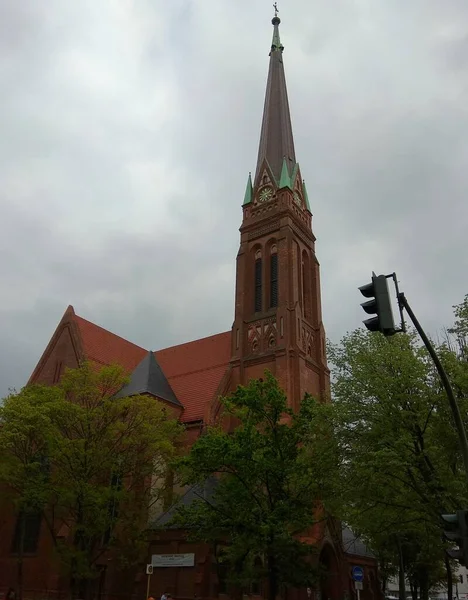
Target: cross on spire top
{"x": 275, "y": 6}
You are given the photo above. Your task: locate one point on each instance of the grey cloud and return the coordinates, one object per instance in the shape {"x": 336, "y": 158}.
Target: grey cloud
{"x": 128, "y": 133}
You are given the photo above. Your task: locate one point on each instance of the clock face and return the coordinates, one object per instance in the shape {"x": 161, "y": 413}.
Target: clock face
{"x": 265, "y": 194}
{"x": 297, "y": 199}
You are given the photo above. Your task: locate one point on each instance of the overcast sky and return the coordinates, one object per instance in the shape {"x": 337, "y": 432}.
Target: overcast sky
{"x": 128, "y": 128}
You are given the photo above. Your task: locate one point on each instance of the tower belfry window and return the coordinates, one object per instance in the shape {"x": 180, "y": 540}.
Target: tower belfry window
{"x": 306, "y": 286}
{"x": 258, "y": 283}
{"x": 274, "y": 278}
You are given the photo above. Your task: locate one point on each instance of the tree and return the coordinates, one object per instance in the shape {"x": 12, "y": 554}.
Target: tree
{"x": 268, "y": 485}
{"x": 107, "y": 458}
{"x": 25, "y": 427}
{"x": 399, "y": 450}
{"x": 460, "y": 327}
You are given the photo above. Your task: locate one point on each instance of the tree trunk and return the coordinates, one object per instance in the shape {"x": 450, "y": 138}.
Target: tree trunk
{"x": 102, "y": 583}
{"x": 79, "y": 588}
{"x": 448, "y": 569}
{"x": 84, "y": 589}
{"x": 401, "y": 574}
{"x": 424, "y": 584}
{"x": 19, "y": 574}
{"x": 272, "y": 579}
{"x": 78, "y": 543}
{"x": 73, "y": 582}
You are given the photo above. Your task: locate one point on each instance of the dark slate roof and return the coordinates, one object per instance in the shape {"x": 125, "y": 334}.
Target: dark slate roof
{"x": 353, "y": 545}
{"x": 276, "y": 139}
{"x": 148, "y": 378}
{"x": 196, "y": 492}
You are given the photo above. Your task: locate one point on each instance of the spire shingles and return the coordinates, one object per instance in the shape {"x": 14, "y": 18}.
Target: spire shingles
{"x": 276, "y": 139}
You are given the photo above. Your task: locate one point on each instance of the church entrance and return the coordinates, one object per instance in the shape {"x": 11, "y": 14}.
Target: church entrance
{"x": 330, "y": 576}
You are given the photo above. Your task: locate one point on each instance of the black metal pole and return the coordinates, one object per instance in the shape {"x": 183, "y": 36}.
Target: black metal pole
{"x": 400, "y": 307}
{"x": 445, "y": 380}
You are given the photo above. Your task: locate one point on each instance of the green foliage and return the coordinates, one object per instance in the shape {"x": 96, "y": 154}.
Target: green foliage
{"x": 460, "y": 327}
{"x": 25, "y": 427}
{"x": 268, "y": 483}
{"x": 401, "y": 466}
{"x": 107, "y": 459}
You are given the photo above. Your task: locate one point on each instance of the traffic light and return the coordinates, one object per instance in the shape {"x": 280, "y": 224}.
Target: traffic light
{"x": 380, "y": 305}
{"x": 457, "y": 531}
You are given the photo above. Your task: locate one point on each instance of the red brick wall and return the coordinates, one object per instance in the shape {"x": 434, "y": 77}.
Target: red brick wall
{"x": 310, "y": 379}
{"x": 61, "y": 354}
{"x": 40, "y": 571}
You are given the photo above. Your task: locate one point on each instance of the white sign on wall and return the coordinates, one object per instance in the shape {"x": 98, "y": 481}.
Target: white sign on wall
{"x": 173, "y": 560}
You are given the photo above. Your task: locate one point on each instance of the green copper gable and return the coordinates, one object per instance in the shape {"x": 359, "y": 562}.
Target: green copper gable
{"x": 285, "y": 180}
{"x": 294, "y": 175}
{"x": 306, "y": 196}
{"x": 248, "y": 191}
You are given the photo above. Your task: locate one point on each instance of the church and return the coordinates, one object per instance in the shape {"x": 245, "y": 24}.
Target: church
{"x": 277, "y": 326}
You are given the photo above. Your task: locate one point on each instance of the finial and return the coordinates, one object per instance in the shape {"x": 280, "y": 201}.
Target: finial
{"x": 276, "y": 19}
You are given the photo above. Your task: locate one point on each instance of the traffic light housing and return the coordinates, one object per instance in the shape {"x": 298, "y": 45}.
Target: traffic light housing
{"x": 456, "y": 530}
{"x": 380, "y": 305}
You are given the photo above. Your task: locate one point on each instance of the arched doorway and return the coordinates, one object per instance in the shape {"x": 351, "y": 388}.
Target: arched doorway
{"x": 330, "y": 576}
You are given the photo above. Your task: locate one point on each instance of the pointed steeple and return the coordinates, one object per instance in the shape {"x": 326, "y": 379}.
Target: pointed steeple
{"x": 276, "y": 139}
{"x": 285, "y": 179}
{"x": 306, "y": 195}
{"x": 248, "y": 191}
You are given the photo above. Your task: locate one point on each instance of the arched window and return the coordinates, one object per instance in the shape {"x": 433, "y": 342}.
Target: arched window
{"x": 306, "y": 285}
{"x": 298, "y": 272}
{"x": 273, "y": 277}
{"x": 28, "y": 527}
{"x": 58, "y": 371}
{"x": 258, "y": 281}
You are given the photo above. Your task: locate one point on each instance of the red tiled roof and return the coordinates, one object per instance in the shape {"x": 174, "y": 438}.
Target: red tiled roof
{"x": 198, "y": 355}
{"x": 106, "y": 348}
{"x": 194, "y": 369}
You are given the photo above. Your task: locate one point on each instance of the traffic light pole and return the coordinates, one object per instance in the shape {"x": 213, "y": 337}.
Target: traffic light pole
{"x": 445, "y": 380}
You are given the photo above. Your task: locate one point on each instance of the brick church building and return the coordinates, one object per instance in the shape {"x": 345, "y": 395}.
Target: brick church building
{"x": 277, "y": 326}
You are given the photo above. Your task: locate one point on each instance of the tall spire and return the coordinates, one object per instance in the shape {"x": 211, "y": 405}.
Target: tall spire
{"x": 276, "y": 139}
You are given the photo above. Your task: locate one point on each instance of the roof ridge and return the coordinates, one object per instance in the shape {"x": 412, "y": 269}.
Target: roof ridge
{"x": 223, "y": 364}
{"x": 141, "y": 347}
{"x": 192, "y": 341}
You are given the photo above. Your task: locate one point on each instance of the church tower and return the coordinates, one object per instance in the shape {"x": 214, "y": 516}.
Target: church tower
{"x": 278, "y": 318}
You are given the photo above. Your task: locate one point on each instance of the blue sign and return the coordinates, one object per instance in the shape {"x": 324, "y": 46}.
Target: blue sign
{"x": 358, "y": 573}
